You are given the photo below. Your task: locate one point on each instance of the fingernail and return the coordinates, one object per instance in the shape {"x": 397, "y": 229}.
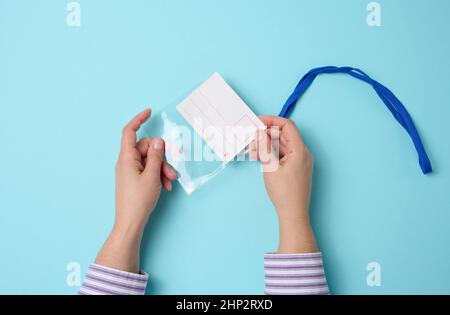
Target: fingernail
{"x": 157, "y": 144}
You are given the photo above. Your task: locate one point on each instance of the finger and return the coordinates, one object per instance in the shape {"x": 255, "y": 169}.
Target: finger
{"x": 270, "y": 120}
{"x": 274, "y": 133}
{"x": 267, "y": 155}
{"x": 284, "y": 149}
{"x": 167, "y": 184}
{"x": 168, "y": 171}
{"x": 129, "y": 131}
{"x": 286, "y": 126}
{"x": 263, "y": 146}
{"x": 142, "y": 146}
{"x": 154, "y": 156}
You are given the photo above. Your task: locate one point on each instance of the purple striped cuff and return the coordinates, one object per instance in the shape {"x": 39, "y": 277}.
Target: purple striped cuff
{"x": 296, "y": 274}
{"x": 101, "y": 280}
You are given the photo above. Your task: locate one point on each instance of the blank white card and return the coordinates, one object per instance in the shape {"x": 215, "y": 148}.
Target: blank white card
{"x": 220, "y": 117}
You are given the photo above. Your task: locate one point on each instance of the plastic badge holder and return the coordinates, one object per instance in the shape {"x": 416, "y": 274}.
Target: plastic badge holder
{"x": 205, "y": 131}
{"x": 193, "y": 160}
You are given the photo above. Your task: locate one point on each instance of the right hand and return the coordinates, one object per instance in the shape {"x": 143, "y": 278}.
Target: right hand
{"x": 288, "y": 181}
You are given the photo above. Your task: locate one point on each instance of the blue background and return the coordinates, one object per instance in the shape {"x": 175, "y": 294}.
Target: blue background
{"x": 65, "y": 94}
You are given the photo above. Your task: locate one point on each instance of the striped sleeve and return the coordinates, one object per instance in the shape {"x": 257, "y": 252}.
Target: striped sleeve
{"x": 295, "y": 274}
{"x": 101, "y": 280}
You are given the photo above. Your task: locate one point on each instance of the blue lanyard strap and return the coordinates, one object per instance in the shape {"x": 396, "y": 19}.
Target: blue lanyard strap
{"x": 390, "y": 100}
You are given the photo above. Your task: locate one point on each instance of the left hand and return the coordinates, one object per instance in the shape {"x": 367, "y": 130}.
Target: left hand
{"x": 140, "y": 172}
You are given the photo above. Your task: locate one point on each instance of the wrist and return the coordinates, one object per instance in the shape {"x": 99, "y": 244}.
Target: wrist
{"x": 296, "y": 236}
{"x": 121, "y": 249}
{"x": 127, "y": 231}
{"x": 293, "y": 215}
{"x": 129, "y": 221}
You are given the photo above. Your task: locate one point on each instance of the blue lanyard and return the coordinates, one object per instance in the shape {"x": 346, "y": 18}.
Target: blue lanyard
{"x": 390, "y": 100}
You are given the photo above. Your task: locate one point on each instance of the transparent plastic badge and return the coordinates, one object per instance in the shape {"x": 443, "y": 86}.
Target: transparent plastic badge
{"x": 193, "y": 160}
{"x": 207, "y": 130}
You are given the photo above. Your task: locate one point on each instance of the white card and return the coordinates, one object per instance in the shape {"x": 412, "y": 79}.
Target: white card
{"x": 220, "y": 117}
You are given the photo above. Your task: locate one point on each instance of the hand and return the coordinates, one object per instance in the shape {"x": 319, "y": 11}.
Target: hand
{"x": 287, "y": 178}
{"x": 140, "y": 172}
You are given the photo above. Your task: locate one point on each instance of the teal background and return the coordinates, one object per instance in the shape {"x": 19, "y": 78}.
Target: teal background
{"x": 65, "y": 94}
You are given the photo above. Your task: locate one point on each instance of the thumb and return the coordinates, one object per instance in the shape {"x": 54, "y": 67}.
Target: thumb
{"x": 155, "y": 154}
{"x": 267, "y": 154}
